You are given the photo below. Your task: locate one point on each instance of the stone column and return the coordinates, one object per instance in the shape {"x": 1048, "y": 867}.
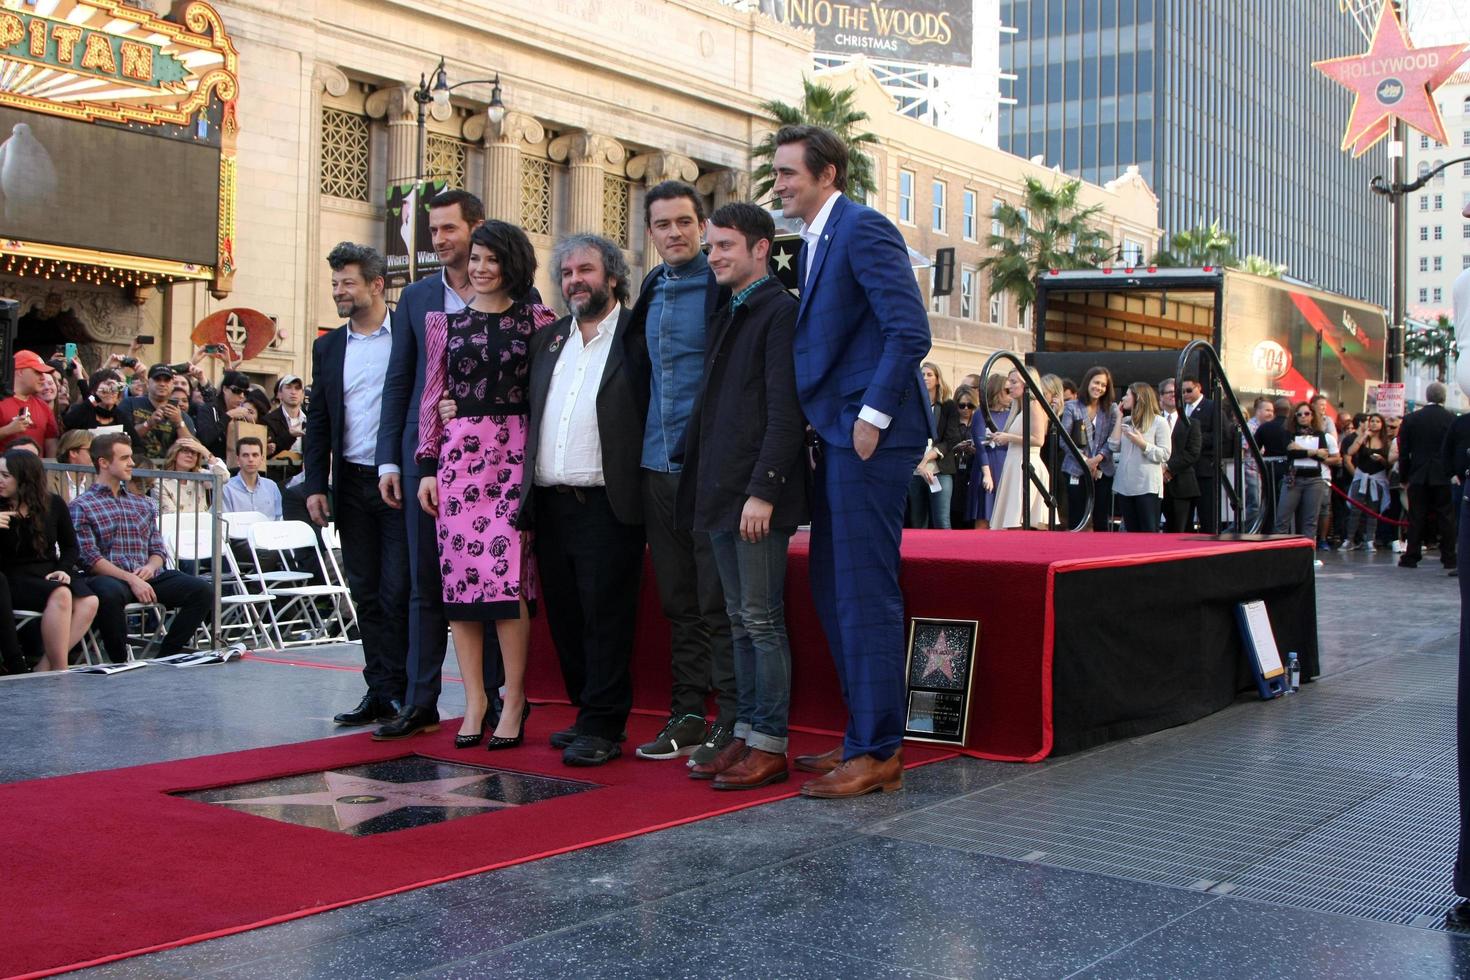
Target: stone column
{"x": 585, "y": 154}
{"x": 395, "y": 106}
{"x": 725, "y": 186}
{"x": 503, "y": 140}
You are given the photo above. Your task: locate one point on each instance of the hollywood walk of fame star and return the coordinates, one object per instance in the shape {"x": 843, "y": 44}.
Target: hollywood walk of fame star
{"x": 1393, "y": 79}
{"x": 939, "y": 656}
{"x": 357, "y": 799}
{"x": 782, "y": 258}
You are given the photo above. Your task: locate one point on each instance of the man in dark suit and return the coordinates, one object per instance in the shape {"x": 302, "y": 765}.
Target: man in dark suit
{"x": 453, "y": 216}
{"x": 348, "y": 367}
{"x": 589, "y": 399}
{"x": 744, "y": 482}
{"x": 861, "y": 332}
{"x": 1421, "y": 465}
{"x": 1181, "y": 486}
{"x": 1199, "y": 408}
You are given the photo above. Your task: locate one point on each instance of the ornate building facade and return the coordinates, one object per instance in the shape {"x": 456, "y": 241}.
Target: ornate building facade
{"x": 602, "y": 100}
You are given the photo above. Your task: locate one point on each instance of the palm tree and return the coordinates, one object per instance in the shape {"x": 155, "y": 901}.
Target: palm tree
{"x": 1258, "y": 265}
{"x": 1199, "y": 247}
{"x": 1433, "y": 346}
{"x": 820, "y": 106}
{"x": 1046, "y": 231}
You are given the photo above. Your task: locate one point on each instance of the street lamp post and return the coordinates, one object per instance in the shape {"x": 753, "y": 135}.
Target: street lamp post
{"x": 1396, "y": 191}
{"x": 438, "y": 94}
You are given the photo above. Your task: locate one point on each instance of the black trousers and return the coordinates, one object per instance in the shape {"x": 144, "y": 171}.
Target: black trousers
{"x": 1201, "y": 507}
{"x": 375, "y": 560}
{"x": 190, "y": 595}
{"x": 1424, "y": 498}
{"x": 428, "y": 630}
{"x": 703, "y": 653}
{"x": 11, "y": 657}
{"x": 591, "y": 568}
{"x": 1102, "y": 501}
{"x": 1176, "y": 513}
{"x": 1140, "y": 513}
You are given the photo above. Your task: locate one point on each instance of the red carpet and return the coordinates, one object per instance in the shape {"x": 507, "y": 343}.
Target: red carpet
{"x": 1006, "y": 580}
{"x": 105, "y": 865}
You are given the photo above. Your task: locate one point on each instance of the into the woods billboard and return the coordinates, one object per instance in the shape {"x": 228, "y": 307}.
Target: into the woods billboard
{"x": 932, "y": 32}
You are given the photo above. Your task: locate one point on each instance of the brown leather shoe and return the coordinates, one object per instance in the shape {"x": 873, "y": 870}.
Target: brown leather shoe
{"x": 756, "y": 768}
{"x": 732, "y": 753}
{"x": 820, "y": 764}
{"x": 858, "y": 776}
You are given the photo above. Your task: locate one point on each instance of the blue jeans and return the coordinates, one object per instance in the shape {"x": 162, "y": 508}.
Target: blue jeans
{"x": 753, "y": 576}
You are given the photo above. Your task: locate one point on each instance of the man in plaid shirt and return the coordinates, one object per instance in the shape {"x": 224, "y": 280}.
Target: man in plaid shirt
{"x": 122, "y": 552}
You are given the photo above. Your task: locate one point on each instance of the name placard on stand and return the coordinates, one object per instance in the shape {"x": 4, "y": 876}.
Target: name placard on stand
{"x": 940, "y": 672}
{"x": 1260, "y": 648}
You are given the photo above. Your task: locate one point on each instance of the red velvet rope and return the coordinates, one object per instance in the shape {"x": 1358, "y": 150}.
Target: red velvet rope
{"x": 1368, "y": 510}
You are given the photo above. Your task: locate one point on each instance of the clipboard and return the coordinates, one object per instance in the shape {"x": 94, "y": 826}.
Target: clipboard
{"x": 1260, "y": 648}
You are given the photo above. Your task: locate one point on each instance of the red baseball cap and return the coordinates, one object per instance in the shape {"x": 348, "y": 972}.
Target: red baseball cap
{"x": 30, "y": 359}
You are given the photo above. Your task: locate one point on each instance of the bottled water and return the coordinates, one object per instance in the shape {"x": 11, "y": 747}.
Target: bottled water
{"x": 1293, "y": 673}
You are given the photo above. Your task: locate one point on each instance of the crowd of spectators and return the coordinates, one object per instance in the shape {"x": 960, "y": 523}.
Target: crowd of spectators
{"x": 77, "y": 547}
{"x": 1339, "y": 479}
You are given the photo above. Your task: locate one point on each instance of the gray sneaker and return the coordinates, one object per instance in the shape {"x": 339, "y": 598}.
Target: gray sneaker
{"x": 680, "y": 736}
{"x": 717, "y": 738}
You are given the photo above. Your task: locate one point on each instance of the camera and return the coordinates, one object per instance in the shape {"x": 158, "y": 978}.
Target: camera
{"x": 130, "y": 362}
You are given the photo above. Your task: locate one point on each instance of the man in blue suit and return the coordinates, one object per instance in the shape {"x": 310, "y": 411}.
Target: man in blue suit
{"x": 453, "y": 215}
{"x": 861, "y": 332}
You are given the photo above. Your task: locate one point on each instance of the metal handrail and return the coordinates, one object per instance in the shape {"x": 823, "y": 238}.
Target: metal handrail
{"x": 1220, "y": 388}
{"x": 1065, "y": 441}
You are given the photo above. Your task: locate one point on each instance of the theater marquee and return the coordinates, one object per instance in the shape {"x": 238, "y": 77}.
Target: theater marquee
{"x": 930, "y": 32}
{"x": 117, "y": 143}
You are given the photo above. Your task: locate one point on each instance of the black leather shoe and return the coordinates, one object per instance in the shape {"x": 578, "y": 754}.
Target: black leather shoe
{"x": 565, "y": 737}
{"x": 410, "y": 720}
{"x": 589, "y": 750}
{"x": 370, "y": 710}
{"x": 1458, "y": 916}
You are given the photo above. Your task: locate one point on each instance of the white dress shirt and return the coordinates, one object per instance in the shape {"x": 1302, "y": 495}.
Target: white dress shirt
{"x": 453, "y": 302}
{"x": 364, "y": 368}
{"x": 569, "y": 450}
{"x": 811, "y": 234}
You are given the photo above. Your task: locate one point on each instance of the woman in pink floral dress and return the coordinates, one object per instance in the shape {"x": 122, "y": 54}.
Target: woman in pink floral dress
{"x": 473, "y": 466}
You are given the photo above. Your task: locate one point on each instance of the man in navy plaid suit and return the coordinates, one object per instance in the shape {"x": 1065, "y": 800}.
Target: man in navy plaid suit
{"x": 861, "y": 332}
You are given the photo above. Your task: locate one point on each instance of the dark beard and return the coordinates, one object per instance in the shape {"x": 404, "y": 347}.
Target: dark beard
{"x": 594, "y": 302}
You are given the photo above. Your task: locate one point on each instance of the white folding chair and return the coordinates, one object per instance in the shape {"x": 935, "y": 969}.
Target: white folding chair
{"x": 237, "y": 528}
{"x": 284, "y": 540}
{"x": 240, "y": 609}
{"x": 333, "y": 569}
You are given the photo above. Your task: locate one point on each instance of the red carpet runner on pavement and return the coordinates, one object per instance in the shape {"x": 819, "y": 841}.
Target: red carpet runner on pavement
{"x": 103, "y": 865}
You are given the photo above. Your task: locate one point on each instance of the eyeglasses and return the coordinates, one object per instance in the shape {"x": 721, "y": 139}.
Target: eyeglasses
{"x": 1189, "y": 391}
{"x": 965, "y": 406}
{"x": 238, "y": 391}
{"x": 1303, "y": 415}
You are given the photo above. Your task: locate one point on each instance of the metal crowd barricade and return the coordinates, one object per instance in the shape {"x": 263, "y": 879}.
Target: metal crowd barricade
{"x": 189, "y": 489}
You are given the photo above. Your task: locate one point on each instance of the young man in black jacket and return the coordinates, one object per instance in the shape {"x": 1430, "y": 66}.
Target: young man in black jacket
{"x": 743, "y": 482}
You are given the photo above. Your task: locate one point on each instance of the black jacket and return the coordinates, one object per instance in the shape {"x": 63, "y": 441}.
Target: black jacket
{"x": 1184, "y": 453}
{"x": 1455, "y": 454}
{"x": 622, "y": 409}
{"x": 951, "y": 430}
{"x": 1421, "y": 445}
{"x": 746, "y": 432}
{"x": 1209, "y": 416}
{"x": 210, "y": 425}
{"x": 322, "y": 444}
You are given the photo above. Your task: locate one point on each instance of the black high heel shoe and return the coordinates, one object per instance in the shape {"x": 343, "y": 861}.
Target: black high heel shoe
{"x": 498, "y": 742}
{"x": 470, "y": 741}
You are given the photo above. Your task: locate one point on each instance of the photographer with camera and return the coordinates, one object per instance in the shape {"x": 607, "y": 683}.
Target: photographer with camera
{"x": 157, "y": 417}
{"x": 25, "y": 413}
{"x": 101, "y": 406}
